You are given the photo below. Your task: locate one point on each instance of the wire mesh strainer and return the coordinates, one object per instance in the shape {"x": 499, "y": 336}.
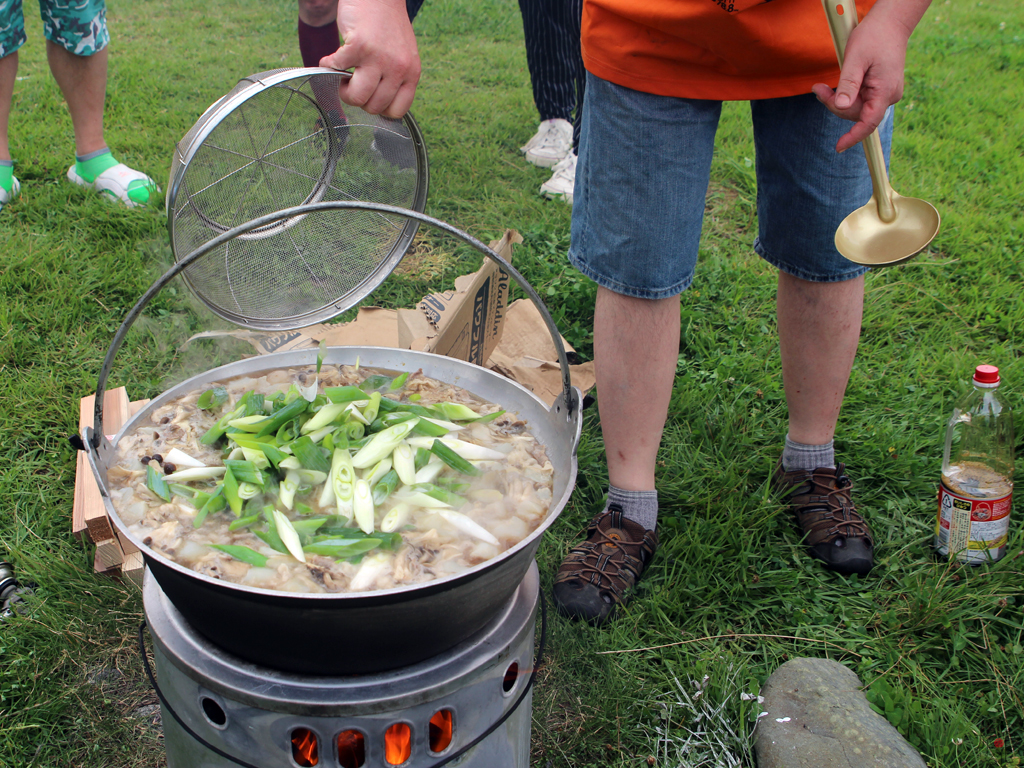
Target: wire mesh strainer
{"x": 282, "y": 139}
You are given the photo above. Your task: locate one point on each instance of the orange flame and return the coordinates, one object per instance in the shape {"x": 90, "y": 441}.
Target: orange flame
{"x": 441, "y": 728}
{"x": 351, "y": 749}
{"x": 304, "y": 747}
{"x": 397, "y": 743}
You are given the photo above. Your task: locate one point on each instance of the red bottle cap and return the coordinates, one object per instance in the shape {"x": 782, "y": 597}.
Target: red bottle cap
{"x": 986, "y": 374}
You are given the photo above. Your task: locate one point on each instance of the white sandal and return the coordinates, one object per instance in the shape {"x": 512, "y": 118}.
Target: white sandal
{"x": 119, "y": 182}
{"x": 6, "y": 197}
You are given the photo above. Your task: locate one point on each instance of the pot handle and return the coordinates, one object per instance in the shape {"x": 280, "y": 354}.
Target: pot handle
{"x": 569, "y": 399}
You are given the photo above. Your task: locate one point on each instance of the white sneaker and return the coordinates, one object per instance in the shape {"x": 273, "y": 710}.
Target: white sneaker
{"x": 562, "y": 180}
{"x": 550, "y": 144}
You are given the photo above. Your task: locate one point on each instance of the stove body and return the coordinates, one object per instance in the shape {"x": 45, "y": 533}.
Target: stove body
{"x": 412, "y": 717}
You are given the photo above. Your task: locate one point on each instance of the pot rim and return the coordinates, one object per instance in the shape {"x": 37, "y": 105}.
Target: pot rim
{"x": 569, "y": 430}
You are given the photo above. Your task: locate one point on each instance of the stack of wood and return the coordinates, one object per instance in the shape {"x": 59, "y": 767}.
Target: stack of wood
{"x": 115, "y": 554}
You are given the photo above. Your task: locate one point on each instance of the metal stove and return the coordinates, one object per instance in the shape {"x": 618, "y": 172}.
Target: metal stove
{"x": 221, "y": 711}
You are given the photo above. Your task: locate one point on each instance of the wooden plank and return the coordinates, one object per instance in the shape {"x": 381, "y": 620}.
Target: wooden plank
{"x": 88, "y": 512}
{"x": 133, "y": 568}
{"x": 135, "y": 406}
{"x": 114, "y": 552}
{"x": 126, "y": 545}
{"x": 109, "y": 553}
{"x": 78, "y": 526}
{"x": 100, "y": 567}
{"x": 98, "y": 526}
{"x": 116, "y": 410}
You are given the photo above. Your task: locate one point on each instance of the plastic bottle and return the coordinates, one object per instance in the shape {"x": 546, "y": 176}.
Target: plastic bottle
{"x": 977, "y": 475}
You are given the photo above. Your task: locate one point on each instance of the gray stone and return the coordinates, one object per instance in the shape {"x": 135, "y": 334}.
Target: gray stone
{"x": 817, "y": 716}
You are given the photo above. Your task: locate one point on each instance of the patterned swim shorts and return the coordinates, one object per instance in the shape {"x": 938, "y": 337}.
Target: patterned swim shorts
{"x": 77, "y": 26}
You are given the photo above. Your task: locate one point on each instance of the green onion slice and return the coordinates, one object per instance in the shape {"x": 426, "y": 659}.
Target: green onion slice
{"x": 244, "y": 554}
{"x": 156, "y": 483}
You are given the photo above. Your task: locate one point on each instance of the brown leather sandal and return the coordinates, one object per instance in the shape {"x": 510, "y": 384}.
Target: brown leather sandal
{"x": 835, "y": 532}
{"x": 598, "y": 573}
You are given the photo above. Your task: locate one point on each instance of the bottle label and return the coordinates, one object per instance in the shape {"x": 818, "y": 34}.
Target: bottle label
{"x": 972, "y": 528}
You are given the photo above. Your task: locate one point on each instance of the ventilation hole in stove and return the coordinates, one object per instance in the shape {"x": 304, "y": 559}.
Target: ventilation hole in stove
{"x": 397, "y": 743}
{"x": 305, "y": 750}
{"x": 214, "y": 712}
{"x": 511, "y": 677}
{"x": 351, "y": 749}
{"x": 441, "y": 729}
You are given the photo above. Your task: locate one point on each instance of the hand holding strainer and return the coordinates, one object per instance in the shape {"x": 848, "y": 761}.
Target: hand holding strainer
{"x": 279, "y": 140}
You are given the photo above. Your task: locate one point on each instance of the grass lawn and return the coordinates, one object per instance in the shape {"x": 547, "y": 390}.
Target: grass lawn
{"x": 732, "y": 594}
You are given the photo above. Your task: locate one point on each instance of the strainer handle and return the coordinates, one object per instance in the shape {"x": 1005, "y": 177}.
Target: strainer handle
{"x": 568, "y": 401}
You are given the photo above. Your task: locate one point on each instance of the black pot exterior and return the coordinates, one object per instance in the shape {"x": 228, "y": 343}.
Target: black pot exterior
{"x": 348, "y": 634}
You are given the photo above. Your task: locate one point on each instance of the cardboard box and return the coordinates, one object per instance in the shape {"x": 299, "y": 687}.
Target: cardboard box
{"x": 465, "y": 323}
{"x": 527, "y": 354}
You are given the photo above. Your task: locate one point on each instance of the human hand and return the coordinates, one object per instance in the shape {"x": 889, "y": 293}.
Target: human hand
{"x": 872, "y": 73}
{"x": 378, "y": 44}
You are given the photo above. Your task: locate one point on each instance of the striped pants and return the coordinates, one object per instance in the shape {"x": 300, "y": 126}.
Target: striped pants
{"x": 552, "y": 32}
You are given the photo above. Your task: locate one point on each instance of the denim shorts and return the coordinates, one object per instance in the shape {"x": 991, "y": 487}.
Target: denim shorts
{"x": 77, "y": 26}
{"x": 642, "y": 177}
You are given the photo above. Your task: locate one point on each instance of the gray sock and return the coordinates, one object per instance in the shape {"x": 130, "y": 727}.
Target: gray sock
{"x": 800, "y": 456}
{"x": 639, "y": 506}
{"x": 92, "y": 155}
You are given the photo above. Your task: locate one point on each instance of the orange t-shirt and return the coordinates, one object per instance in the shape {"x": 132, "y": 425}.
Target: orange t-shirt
{"x": 698, "y": 49}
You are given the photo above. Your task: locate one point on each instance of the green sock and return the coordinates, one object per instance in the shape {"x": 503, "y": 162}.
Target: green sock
{"x": 6, "y": 175}
{"x": 92, "y": 165}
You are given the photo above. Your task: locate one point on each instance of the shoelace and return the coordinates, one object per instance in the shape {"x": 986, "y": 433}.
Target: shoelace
{"x": 551, "y": 138}
{"x": 565, "y": 168}
{"x": 627, "y": 564}
{"x": 605, "y": 547}
{"x": 843, "y": 514}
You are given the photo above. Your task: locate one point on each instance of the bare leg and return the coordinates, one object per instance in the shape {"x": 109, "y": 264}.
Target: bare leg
{"x": 83, "y": 81}
{"x": 8, "y": 72}
{"x": 317, "y": 13}
{"x": 636, "y": 346}
{"x": 819, "y": 327}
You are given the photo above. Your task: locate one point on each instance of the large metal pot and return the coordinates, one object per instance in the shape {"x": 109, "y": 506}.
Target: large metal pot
{"x": 340, "y": 634}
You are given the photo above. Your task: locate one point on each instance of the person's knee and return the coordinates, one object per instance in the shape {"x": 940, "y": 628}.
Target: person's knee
{"x": 317, "y": 13}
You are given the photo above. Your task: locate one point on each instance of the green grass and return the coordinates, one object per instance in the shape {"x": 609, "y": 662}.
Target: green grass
{"x": 731, "y": 594}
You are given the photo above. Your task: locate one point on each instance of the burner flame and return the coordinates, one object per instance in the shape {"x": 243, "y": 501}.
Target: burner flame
{"x": 441, "y": 728}
{"x": 304, "y": 747}
{"x": 397, "y": 743}
{"x": 351, "y": 749}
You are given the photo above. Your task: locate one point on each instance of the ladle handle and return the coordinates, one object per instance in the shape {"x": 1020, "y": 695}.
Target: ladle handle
{"x": 842, "y": 18}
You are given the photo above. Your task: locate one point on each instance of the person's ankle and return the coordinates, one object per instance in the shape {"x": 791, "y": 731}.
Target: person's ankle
{"x": 639, "y": 506}
{"x": 6, "y": 175}
{"x": 93, "y": 164}
{"x": 807, "y": 457}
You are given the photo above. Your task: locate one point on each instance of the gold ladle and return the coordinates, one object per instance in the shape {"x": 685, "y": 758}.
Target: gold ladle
{"x": 890, "y": 228}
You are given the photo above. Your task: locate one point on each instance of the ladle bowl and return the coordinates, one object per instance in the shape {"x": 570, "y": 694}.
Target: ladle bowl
{"x": 864, "y": 238}
{"x": 889, "y": 229}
